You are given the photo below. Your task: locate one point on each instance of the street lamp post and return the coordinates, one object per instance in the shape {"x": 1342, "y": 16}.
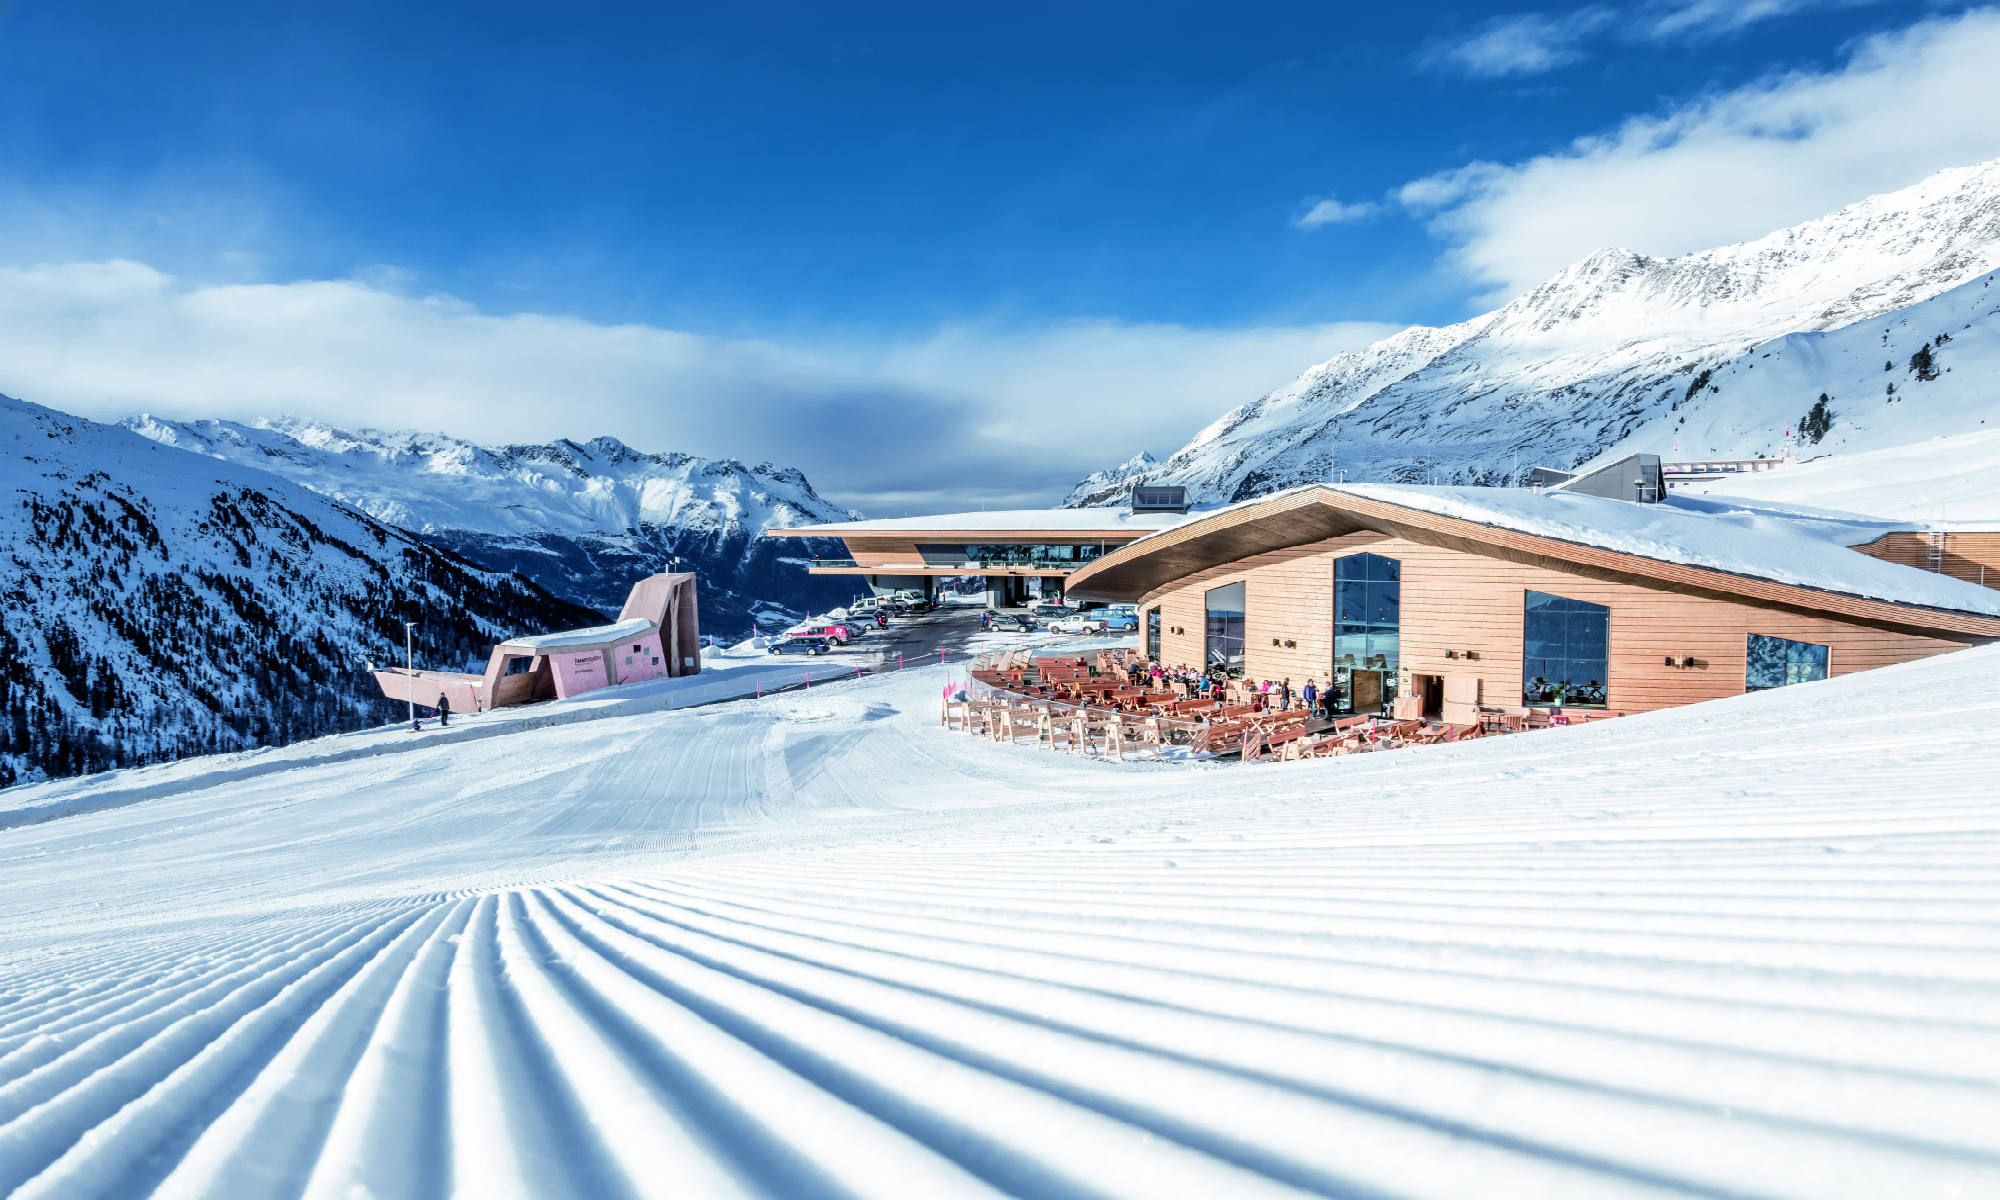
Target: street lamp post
{"x": 410, "y": 671}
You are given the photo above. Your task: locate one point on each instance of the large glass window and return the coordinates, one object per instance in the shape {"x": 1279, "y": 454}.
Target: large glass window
{"x": 1775, "y": 662}
{"x": 1153, "y": 634}
{"x": 1566, "y": 651}
{"x": 1009, "y": 554}
{"x": 1225, "y": 628}
{"x": 1367, "y": 631}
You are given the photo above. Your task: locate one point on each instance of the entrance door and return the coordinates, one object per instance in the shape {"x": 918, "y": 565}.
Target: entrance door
{"x": 1431, "y": 689}
{"x": 1367, "y": 691}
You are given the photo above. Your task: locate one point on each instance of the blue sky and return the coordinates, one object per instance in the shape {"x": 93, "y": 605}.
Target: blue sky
{"x": 895, "y": 245}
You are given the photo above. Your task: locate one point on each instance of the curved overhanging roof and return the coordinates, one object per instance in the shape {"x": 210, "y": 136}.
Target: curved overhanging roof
{"x": 1318, "y": 513}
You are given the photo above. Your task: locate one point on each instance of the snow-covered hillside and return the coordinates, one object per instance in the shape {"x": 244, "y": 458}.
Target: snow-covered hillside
{"x": 158, "y": 603}
{"x": 1939, "y": 483}
{"x": 816, "y": 945}
{"x": 582, "y": 519}
{"x": 1719, "y": 351}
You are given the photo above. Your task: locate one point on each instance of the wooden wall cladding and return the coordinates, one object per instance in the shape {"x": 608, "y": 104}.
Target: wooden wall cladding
{"x": 1973, "y": 557}
{"x": 1459, "y": 601}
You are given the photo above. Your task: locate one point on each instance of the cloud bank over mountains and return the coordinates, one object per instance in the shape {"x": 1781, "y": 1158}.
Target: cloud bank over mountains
{"x": 984, "y": 413}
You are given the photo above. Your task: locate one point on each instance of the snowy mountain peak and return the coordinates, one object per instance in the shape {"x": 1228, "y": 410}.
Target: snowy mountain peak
{"x": 433, "y": 482}
{"x": 1136, "y": 465}
{"x": 1606, "y": 353}
{"x": 580, "y": 518}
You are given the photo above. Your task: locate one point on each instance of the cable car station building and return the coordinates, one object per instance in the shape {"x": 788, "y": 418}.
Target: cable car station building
{"x": 1007, "y": 547}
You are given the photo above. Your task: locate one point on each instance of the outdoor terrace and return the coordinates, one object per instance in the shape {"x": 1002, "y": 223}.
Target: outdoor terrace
{"x": 1092, "y": 705}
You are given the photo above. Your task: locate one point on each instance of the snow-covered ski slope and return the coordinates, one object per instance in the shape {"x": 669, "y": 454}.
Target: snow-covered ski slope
{"x": 1941, "y": 483}
{"x": 817, "y": 946}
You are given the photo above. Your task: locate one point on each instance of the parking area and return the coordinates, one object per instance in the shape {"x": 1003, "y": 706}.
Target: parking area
{"x": 949, "y": 628}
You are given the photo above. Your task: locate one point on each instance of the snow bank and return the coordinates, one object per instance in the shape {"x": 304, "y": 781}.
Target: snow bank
{"x": 1943, "y": 483}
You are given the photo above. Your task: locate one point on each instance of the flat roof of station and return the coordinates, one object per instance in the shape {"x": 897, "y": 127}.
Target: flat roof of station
{"x": 1015, "y": 522}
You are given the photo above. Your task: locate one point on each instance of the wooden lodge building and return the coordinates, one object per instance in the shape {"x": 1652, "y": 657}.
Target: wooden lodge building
{"x": 1435, "y": 600}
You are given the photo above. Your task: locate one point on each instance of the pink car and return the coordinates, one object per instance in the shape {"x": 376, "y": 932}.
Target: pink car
{"x": 833, "y": 631}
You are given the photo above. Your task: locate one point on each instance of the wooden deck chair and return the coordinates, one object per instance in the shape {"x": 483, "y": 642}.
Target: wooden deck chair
{"x": 1056, "y": 729}
{"x": 1114, "y": 739}
{"x": 1152, "y": 735}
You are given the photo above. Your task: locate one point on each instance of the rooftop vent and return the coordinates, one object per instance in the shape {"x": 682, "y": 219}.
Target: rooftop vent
{"x": 1155, "y": 498}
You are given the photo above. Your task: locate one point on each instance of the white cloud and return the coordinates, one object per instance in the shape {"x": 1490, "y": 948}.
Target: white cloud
{"x": 1699, "y": 19}
{"x": 1328, "y": 211}
{"x": 969, "y": 414}
{"x": 1521, "y": 44}
{"x": 1733, "y": 165}
{"x": 1535, "y": 43}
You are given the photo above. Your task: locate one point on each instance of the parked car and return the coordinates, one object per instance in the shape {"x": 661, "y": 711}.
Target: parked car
{"x": 836, "y": 631}
{"x": 1119, "y": 618}
{"x": 1080, "y": 623}
{"x": 870, "y": 607}
{"x": 1011, "y": 622}
{"x": 1050, "y": 609}
{"x": 861, "y": 622}
{"x": 914, "y": 600}
{"x": 800, "y": 645}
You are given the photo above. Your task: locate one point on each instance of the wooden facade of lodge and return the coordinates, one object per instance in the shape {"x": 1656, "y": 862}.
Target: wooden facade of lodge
{"x": 1677, "y": 633}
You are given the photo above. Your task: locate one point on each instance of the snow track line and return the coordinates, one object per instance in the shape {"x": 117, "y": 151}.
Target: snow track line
{"x": 1784, "y": 993}
{"x": 1124, "y": 1079}
{"x": 1386, "y": 1024}
{"x": 1078, "y": 1148}
{"x": 229, "y": 1043}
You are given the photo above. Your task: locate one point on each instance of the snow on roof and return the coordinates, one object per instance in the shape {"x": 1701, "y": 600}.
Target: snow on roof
{"x": 1051, "y": 520}
{"x": 1943, "y": 483}
{"x": 595, "y": 635}
{"x": 1802, "y": 547}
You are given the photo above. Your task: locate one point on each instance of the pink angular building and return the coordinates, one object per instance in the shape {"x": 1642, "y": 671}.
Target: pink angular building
{"x": 657, "y": 636}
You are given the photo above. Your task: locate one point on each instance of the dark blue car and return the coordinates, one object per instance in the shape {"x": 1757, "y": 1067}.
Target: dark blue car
{"x": 799, "y": 645}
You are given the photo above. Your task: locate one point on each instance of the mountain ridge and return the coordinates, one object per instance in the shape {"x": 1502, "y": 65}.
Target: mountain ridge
{"x": 1597, "y": 358}
{"x": 581, "y": 518}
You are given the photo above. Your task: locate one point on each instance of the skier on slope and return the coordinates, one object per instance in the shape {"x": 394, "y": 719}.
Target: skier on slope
{"x": 444, "y": 711}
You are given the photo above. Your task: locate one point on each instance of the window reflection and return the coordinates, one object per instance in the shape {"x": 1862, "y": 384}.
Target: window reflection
{"x": 1224, "y": 607}
{"x": 1367, "y": 626}
{"x": 1775, "y": 662}
{"x": 1565, "y": 651}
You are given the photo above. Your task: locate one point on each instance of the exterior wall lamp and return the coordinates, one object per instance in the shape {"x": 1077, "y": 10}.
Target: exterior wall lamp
{"x": 1288, "y": 643}
{"x": 1686, "y": 662}
{"x": 1468, "y": 655}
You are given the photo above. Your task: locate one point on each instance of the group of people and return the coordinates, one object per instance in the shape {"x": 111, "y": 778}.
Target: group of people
{"x": 1274, "y": 695}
